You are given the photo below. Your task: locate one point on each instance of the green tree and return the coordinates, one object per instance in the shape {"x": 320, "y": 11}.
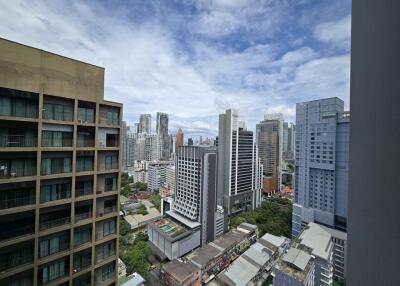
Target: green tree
{"x": 141, "y": 187}
{"x": 135, "y": 258}
{"x": 156, "y": 201}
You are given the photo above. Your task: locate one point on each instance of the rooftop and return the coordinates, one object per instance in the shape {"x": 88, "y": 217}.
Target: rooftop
{"x": 169, "y": 227}
{"x": 291, "y": 263}
{"x": 134, "y": 279}
{"x": 317, "y": 239}
{"x": 182, "y": 219}
{"x": 180, "y": 269}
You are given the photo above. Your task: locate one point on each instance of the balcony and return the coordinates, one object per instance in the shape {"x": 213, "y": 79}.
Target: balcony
{"x": 83, "y": 280}
{"x": 56, "y": 139}
{"x": 84, "y": 186}
{"x": 105, "y": 274}
{"x": 82, "y": 261}
{"x": 108, "y": 161}
{"x": 18, "y": 103}
{"x": 21, "y": 224}
{"x": 54, "y": 244}
{"x": 82, "y": 215}
{"x": 84, "y": 161}
{"x": 17, "y": 195}
{"x": 54, "y": 223}
{"x": 52, "y": 166}
{"x": 85, "y": 136}
{"x": 18, "y": 141}
{"x": 109, "y": 115}
{"x": 82, "y": 235}
{"x": 59, "y": 109}
{"x": 17, "y": 257}
{"x": 105, "y": 251}
{"x": 106, "y": 211}
{"x": 53, "y": 271}
{"x": 54, "y": 192}
{"x": 86, "y": 114}
{"x": 13, "y": 168}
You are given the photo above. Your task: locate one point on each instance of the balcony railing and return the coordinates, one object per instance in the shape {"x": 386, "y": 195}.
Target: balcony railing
{"x": 54, "y": 223}
{"x": 8, "y": 173}
{"x": 10, "y": 261}
{"x": 16, "y": 202}
{"x": 82, "y": 216}
{"x": 17, "y": 141}
{"x": 17, "y": 231}
{"x": 83, "y": 192}
{"x": 55, "y": 197}
{"x": 107, "y": 210}
{"x": 52, "y": 250}
{"x": 101, "y": 257}
{"x": 101, "y": 234}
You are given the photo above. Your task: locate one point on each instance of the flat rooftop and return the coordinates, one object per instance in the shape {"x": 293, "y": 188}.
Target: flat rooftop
{"x": 295, "y": 264}
{"x": 169, "y": 227}
{"x": 316, "y": 238}
{"x": 180, "y": 270}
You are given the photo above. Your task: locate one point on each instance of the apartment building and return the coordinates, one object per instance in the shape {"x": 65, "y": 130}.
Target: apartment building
{"x": 59, "y": 171}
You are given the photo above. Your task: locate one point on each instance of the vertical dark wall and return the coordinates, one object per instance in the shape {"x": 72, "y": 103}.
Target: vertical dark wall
{"x": 374, "y": 188}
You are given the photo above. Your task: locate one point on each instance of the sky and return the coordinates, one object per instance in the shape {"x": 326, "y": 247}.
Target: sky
{"x": 195, "y": 58}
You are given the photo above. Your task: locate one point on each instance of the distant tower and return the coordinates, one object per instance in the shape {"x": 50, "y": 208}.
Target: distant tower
{"x": 145, "y": 123}
{"x": 239, "y": 169}
{"x": 162, "y": 131}
{"x": 179, "y": 138}
{"x": 269, "y": 141}
{"x": 190, "y": 142}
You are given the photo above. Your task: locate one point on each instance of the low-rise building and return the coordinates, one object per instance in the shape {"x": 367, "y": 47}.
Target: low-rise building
{"x": 173, "y": 236}
{"x": 309, "y": 261}
{"x": 204, "y": 263}
{"x": 121, "y": 268}
{"x": 139, "y": 220}
{"x": 135, "y": 279}
{"x": 254, "y": 265}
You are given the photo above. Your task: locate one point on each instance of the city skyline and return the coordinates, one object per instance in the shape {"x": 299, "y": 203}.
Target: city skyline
{"x": 224, "y": 55}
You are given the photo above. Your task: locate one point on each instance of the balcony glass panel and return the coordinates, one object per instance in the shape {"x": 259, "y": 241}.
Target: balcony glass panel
{"x": 57, "y": 112}
{"x": 16, "y": 258}
{"x": 55, "y": 192}
{"x": 56, "y": 139}
{"x": 85, "y": 115}
{"x": 49, "y": 246}
{"x": 56, "y": 165}
{"x": 17, "y": 198}
{"x": 17, "y": 168}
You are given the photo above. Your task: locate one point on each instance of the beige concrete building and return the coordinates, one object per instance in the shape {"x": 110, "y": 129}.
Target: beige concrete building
{"x": 59, "y": 171}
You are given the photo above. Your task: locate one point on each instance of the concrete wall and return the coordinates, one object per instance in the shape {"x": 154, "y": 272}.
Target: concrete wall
{"x": 373, "y": 222}
{"x": 34, "y": 70}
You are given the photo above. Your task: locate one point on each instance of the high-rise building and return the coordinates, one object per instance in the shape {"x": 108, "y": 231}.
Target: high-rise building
{"x": 156, "y": 175}
{"x": 59, "y": 171}
{"x": 162, "y": 131}
{"x": 179, "y": 138}
{"x": 322, "y": 154}
{"x": 196, "y": 186}
{"x": 153, "y": 147}
{"x": 190, "y": 141}
{"x": 239, "y": 168}
{"x": 144, "y": 123}
{"x": 288, "y": 141}
{"x": 269, "y": 142}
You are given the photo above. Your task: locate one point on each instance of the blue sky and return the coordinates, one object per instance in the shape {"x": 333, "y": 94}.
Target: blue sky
{"x": 194, "y": 59}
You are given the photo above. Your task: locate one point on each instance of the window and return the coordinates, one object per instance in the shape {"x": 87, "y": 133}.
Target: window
{"x": 107, "y": 271}
{"x": 53, "y": 245}
{"x": 83, "y": 236}
{"x": 111, "y": 162}
{"x": 108, "y": 249}
{"x": 110, "y": 184}
{"x": 55, "y": 192}
{"x": 53, "y": 271}
{"x": 109, "y": 227}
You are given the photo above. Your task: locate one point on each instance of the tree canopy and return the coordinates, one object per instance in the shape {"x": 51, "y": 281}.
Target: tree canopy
{"x": 274, "y": 216}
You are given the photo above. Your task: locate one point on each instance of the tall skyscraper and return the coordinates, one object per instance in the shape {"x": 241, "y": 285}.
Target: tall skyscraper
{"x": 322, "y": 154}
{"x": 190, "y": 141}
{"x": 179, "y": 138}
{"x": 59, "y": 171}
{"x": 162, "y": 130}
{"x": 269, "y": 141}
{"x": 288, "y": 141}
{"x": 239, "y": 168}
{"x": 196, "y": 186}
{"x": 144, "y": 123}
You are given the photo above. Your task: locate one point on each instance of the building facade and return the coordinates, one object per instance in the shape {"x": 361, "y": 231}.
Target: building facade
{"x": 162, "y": 131}
{"x": 59, "y": 171}
{"x": 179, "y": 138}
{"x": 239, "y": 167}
{"x": 269, "y": 133}
{"x": 156, "y": 175}
{"x": 322, "y": 154}
{"x": 195, "y": 191}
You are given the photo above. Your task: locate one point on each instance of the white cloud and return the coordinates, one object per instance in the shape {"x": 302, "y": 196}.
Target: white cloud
{"x": 336, "y": 33}
{"x": 148, "y": 70}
